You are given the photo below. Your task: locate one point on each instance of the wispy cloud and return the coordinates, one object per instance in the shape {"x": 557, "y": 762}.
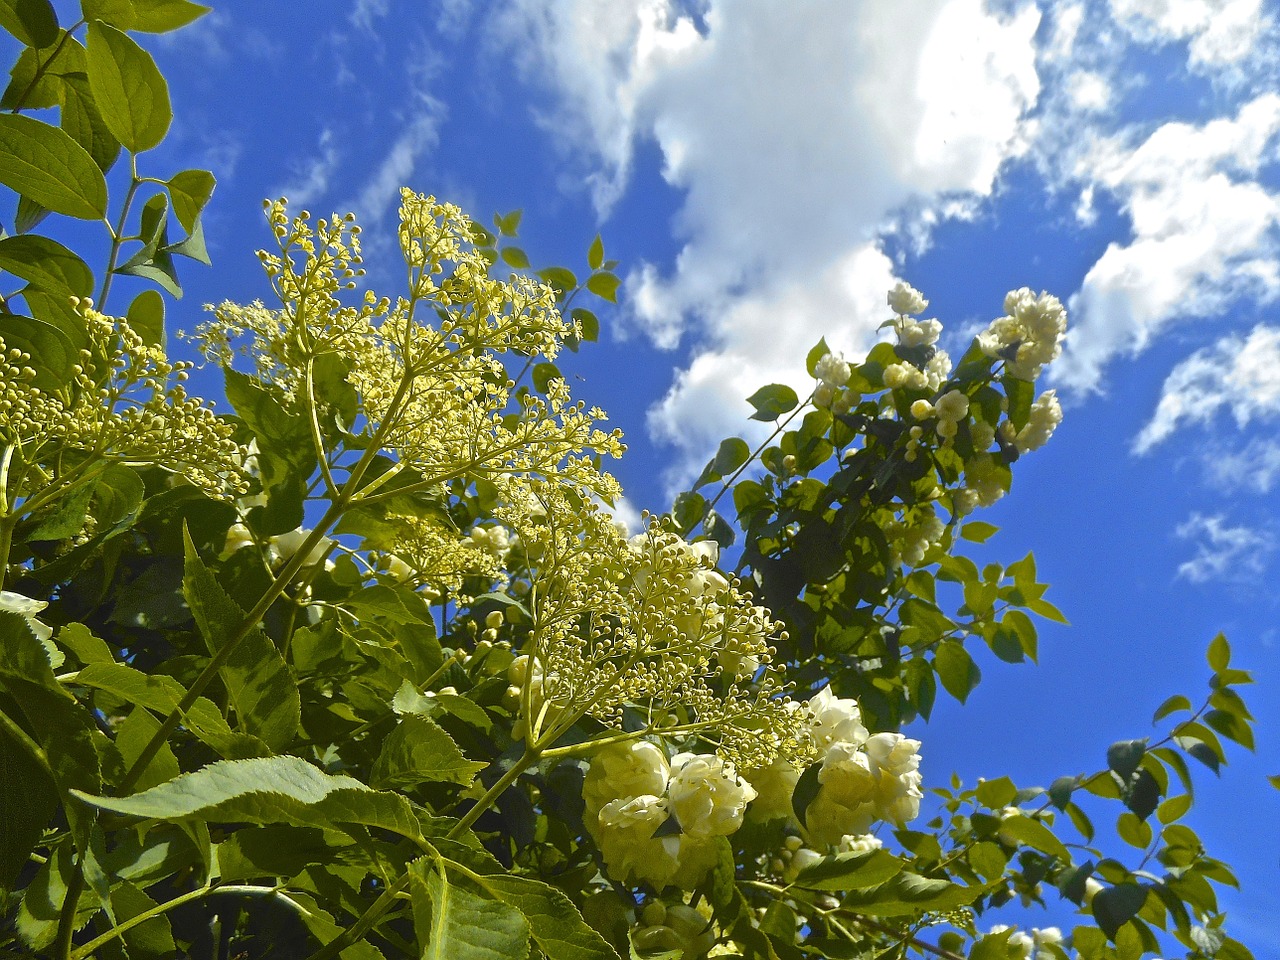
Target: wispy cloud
{"x": 1253, "y": 467}
{"x": 1239, "y": 374}
{"x": 1236, "y": 554}
{"x": 311, "y": 180}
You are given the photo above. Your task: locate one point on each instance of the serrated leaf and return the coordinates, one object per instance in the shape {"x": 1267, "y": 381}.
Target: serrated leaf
{"x": 910, "y": 894}
{"x": 130, "y": 92}
{"x": 24, "y": 813}
{"x": 267, "y": 790}
{"x": 558, "y": 928}
{"x": 34, "y": 22}
{"x": 162, "y": 694}
{"x": 849, "y": 871}
{"x": 43, "y": 164}
{"x": 419, "y": 751}
{"x": 773, "y": 401}
{"x": 604, "y": 285}
{"x": 258, "y": 681}
{"x": 452, "y": 923}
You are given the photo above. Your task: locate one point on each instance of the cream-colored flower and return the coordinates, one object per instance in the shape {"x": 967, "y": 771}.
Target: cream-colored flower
{"x": 835, "y": 719}
{"x": 706, "y": 796}
{"x": 905, "y": 299}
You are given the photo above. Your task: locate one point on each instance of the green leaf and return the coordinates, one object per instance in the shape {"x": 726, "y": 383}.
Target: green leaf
{"x": 996, "y": 794}
{"x": 1115, "y": 906}
{"x": 1219, "y": 653}
{"x": 34, "y": 22}
{"x": 418, "y": 751}
{"x": 262, "y": 689}
{"x": 47, "y": 264}
{"x": 910, "y": 894}
{"x": 773, "y": 401}
{"x": 1035, "y": 834}
{"x": 819, "y": 350}
{"x": 52, "y": 352}
{"x": 161, "y": 16}
{"x": 587, "y": 323}
{"x": 267, "y": 790}
{"x": 1173, "y": 704}
{"x": 558, "y": 278}
{"x": 1124, "y": 756}
{"x": 43, "y": 164}
{"x": 515, "y": 257}
{"x": 850, "y": 871}
{"x": 1133, "y": 830}
{"x": 1022, "y": 394}
{"x": 595, "y": 253}
{"x": 84, "y": 124}
{"x": 60, "y": 725}
{"x": 452, "y": 923}
{"x": 956, "y": 669}
{"x": 128, "y": 88}
{"x": 604, "y": 285}
{"x": 543, "y": 374}
{"x": 508, "y": 225}
{"x": 161, "y": 693}
{"x": 978, "y": 531}
{"x": 731, "y": 455}
{"x": 153, "y": 938}
{"x": 557, "y": 926}
{"x": 26, "y": 90}
{"x": 25, "y": 812}
{"x": 132, "y": 736}
{"x": 1174, "y": 808}
{"x": 153, "y": 262}
{"x": 146, "y": 316}
{"x": 190, "y": 191}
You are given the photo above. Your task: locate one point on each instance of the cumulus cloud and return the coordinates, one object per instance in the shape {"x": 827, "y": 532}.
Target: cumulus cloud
{"x": 1204, "y": 233}
{"x": 1223, "y": 552}
{"x": 789, "y": 174}
{"x": 1240, "y": 374}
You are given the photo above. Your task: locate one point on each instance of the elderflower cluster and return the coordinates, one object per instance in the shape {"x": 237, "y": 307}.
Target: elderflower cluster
{"x": 646, "y": 624}
{"x": 1029, "y": 335}
{"x": 124, "y": 402}
{"x": 632, "y": 792}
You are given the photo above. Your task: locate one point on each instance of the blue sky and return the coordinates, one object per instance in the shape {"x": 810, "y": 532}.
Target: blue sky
{"x": 764, "y": 172}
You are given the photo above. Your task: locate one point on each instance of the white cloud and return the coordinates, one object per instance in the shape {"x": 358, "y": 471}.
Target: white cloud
{"x": 1239, "y": 374}
{"x": 366, "y": 13}
{"x": 1219, "y": 32}
{"x": 796, "y": 139}
{"x": 1255, "y": 466}
{"x": 1204, "y": 233}
{"x": 310, "y": 181}
{"x": 1234, "y": 554}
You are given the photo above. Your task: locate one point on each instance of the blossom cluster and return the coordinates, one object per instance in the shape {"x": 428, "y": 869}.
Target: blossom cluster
{"x": 124, "y": 402}
{"x": 1029, "y": 335}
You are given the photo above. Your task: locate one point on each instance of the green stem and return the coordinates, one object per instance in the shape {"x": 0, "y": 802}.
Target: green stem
{"x": 251, "y": 620}
{"x": 116, "y": 241}
{"x": 160, "y": 909}
{"x": 67, "y": 918}
{"x": 41, "y": 68}
{"x": 782, "y": 425}
{"x": 33, "y": 749}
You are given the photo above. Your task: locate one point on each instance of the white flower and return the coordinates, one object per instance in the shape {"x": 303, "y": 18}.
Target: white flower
{"x": 288, "y": 544}
{"x": 952, "y": 405}
{"x": 623, "y": 771}
{"x": 28, "y": 608}
{"x": 836, "y": 719}
{"x": 705, "y": 796}
{"x": 984, "y": 480}
{"x": 844, "y": 803}
{"x": 922, "y": 410}
{"x": 832, "y": 370}
{"x": 859, "y": 844}
{"x": 1029, "y": 335}
{"x": 982, "y": 434}
{"x": 495, "y": 541}
{"x": 238, "y": 536}
{"x": 624, "y": 830}
{"x": 897, "y": 375}
{"x": 937, "y": 369}
{"x": 905, "y": 299}
{"x": 824, "y": 394}
{"x": 1046, "y": 414}
{"x": 397, "y": 569}
{"x": 894, "y": 753}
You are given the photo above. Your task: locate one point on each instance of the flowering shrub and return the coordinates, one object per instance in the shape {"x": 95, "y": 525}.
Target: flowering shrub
{"x": 367, "y": 668}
